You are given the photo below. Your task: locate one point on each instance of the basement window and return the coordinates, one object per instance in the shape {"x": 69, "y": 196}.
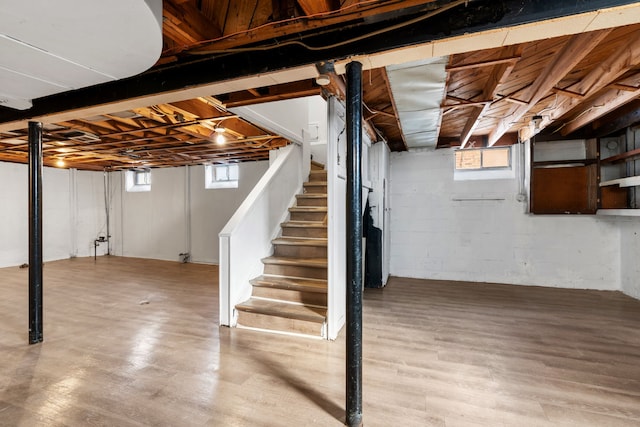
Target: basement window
{"x": 483, "y": 163}
{"x": 221, "y": 176}
{"x": 138, "y": 180}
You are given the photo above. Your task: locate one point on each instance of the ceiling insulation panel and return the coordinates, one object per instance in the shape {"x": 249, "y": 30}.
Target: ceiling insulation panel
{"x": 418, "y": 90}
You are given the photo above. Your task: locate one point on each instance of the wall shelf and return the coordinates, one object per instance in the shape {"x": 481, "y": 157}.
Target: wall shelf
{"x": 618, "y": 212}
{"x": 623, "y": 157}
{"x": 630, "y": 181}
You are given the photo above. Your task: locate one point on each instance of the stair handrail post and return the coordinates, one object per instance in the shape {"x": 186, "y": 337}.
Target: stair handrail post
{"x": 354, "y": 246}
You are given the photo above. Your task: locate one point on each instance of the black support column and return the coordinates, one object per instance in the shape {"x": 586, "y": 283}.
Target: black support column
{"x": 354, "y": 245}
{"x": 35, "y": 233}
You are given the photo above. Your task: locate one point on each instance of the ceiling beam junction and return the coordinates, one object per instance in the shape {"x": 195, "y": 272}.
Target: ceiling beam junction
{"x": 570, "y": 55}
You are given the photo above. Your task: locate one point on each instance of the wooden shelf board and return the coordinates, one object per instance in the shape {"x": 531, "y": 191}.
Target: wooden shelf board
{"x": 618, "y": 212}
{"x": 582, "y": 162}
{"x": 627, "y": 156}
{"x": 630, "y": 181}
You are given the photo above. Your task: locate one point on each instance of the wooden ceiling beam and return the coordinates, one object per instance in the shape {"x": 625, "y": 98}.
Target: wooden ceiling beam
{"x": 568, "y": 93}
{"x": 487, "y": 63}
{"x": 315, "y": 7}
{"x": 624, "y": 117}
{"x": 464, "y": 102}
{"x": 338, "y": 88}
{"x": 570, "y": 55}
{"x": 303, "y": 24}
{"x": 277, "y": 92}
{"x": 193, "y": 129}
{"x": 605, "y": 72}
{"x": 185, "y": 24}
{"x": 598, "y": 107}
{"x": 239, "y": 16}
{"x": 395, "y": 108}
{"x": 497, "y": 77}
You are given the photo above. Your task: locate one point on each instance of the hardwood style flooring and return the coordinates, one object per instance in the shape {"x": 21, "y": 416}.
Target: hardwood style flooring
{"x": 132, "y": 342}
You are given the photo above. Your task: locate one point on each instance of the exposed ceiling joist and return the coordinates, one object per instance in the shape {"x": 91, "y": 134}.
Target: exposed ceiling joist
{"x": 185, "y": 24}
{"x": 576, "y": 48}
{"x": 618, "y": 63}
{"x": 598, "y": 107}
{"x": 395, "y": 110}
{"x": 277, "y": 92}
{"x": 277, "y": 30}
{"x": 313, "y": 7}
{"x": 497, "y": 77}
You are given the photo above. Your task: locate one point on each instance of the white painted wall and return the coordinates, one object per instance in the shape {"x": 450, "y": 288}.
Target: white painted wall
{"x": 73, "y": 213}
{"x": 14, "y": 199}
{"x": 318, "y": 113}
{"x": 336, "y": 200}
{"x": 155, "y": 224}
{"x": 288, "y": 118}
{"x": 378, "y": 198}
{"x": 438, "y": 233}
{"x": 246, "y": 238}
{"x": 629, "y": 256}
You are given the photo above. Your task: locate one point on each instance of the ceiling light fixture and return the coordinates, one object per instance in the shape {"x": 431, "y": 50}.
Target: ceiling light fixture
{"x": 537, "y": 120}
{"x": 220, "y": 139}
{"x": 323, "y": 80}
{"x": 60, "y": 163}
{"x": 324, "y": 73}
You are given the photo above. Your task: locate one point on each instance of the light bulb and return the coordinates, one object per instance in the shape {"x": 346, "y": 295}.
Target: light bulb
{"x": 323, "y": 80}
{"x": 220, "y": 139}
{"x": 60, "y": 163}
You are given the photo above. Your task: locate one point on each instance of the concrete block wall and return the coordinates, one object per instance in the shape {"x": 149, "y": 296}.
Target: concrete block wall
{"x": 479, "y": 231}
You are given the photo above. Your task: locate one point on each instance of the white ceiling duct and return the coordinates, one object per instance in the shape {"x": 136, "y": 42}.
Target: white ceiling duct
{"x": 48, "y": 47}
{"x": 418, "y": 90}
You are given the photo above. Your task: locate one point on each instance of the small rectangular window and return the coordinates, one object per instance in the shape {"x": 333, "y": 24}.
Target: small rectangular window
{"x": 221, "y": 176}
{"x": 142, "y": 177}
{"x": 138, "y": 180}
{"x": 483, "y": 163}
{"x": 468, "y": 159}
{"x": 483, "y": 158}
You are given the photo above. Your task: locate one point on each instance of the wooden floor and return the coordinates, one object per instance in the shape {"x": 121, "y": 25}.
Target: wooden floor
{"x": 132, "y": 342}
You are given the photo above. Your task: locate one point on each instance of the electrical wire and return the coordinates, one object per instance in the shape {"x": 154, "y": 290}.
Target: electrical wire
{"x": 337, "y": 44}
{"x": 344, "y": 11}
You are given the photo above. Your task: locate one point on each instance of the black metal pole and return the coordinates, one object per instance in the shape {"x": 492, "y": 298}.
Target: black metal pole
{"x": 354, "y": 244}
{"x": 35, "y": 233}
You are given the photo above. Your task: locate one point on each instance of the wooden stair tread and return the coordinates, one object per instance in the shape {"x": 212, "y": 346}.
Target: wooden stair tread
{"x": 304, "y": 224}
{"x": 290, "y": 283}
{"x": 315, "y": 184}
{"x": 300, "y": 241}
{"x": 282, "y": 309}
{"x": 301, "y": 262}
{"x": 316, "y": 165}
{"x": 312, "y": 195}
{"x": 308, "y": 209}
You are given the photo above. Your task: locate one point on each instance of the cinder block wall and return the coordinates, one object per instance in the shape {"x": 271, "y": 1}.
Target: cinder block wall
{"x": 437, "y": 232}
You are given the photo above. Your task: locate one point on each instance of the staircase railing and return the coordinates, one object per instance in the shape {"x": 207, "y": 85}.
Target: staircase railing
{"x": 246, "y": 238}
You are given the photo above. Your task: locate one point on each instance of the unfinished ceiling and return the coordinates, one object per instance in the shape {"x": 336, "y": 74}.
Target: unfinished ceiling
{"x": 583, "y": 83}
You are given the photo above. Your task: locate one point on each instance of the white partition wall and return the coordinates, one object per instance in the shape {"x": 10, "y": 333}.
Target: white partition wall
{"x": 379, "y": 198}
{"x": 336, "y": 193}
{"x": 246, "y": 238}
